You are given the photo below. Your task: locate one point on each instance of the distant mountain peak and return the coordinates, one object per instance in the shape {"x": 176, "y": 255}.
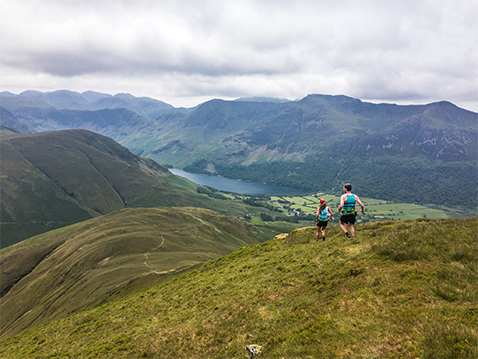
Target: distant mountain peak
{"x": 262, "y": 99}
{"x": 124, "y": 95}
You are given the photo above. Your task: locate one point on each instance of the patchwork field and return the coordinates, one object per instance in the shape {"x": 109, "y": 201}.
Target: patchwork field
{"x": 380, "y": 209}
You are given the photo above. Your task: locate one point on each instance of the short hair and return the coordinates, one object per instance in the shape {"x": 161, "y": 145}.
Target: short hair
{"x": 348, "y": 186}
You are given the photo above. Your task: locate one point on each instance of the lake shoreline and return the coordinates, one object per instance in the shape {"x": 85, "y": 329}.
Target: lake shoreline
{"x": 238, "y": 186}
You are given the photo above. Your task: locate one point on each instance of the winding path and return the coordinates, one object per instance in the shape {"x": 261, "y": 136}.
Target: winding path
{"x": 146, "y": 262}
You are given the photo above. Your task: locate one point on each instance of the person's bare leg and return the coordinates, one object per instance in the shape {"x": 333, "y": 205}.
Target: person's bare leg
{"x": 344, "y": 228}
{"x": 351, "y": 230}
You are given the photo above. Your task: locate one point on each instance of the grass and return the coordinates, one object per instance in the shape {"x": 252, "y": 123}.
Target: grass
{"x": 402, "y": 289}
{"x": 61, "y": 272}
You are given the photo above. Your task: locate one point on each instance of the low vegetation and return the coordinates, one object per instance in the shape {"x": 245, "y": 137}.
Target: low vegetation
{"x": 400, "y": 289}
{"x": 66, "y": 270}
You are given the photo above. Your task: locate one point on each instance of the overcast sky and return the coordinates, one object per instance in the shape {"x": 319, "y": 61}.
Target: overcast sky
{"x": 188, "y": 52}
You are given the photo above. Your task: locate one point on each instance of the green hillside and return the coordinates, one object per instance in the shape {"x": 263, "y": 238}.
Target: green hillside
{"x": 52, "y": 179}
{"x": 398, "y": 290}
{"x": 80, "y": 266}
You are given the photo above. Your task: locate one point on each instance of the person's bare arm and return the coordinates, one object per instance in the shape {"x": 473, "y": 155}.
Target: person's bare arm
{"x": 342, "y": 202}
{"x": 331, "y": 213}
{"x": 360, "y": 203}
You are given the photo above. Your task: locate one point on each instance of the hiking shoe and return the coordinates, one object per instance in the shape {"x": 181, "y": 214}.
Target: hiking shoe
{"x": 323, "y": 238}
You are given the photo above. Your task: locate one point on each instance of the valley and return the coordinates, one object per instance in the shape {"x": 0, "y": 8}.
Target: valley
{"x": 53, "y": 179}
{"x": 303, "y": 208}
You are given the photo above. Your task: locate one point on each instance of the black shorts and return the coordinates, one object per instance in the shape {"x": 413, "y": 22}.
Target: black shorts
{"x": 322, "y": 223}
{"x": 348, "y": 218}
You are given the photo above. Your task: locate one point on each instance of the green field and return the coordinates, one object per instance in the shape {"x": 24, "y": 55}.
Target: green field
{"x": 283, "y": 209}
{"x": 379, "y": 209}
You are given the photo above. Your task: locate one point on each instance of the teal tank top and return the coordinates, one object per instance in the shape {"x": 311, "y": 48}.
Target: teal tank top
{"x": 323, "y": 215}
{"x": 349, "y": 204}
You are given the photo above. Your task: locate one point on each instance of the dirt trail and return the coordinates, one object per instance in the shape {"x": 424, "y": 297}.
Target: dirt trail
{"x": 146, "y": 255}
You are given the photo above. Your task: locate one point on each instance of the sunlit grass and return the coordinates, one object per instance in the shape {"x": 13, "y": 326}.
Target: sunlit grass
{"x": 81, "y": 266}
{"x": 398, "y": 290}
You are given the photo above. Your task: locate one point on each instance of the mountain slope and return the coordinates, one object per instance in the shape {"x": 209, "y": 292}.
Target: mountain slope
{"x": 332, "y": 125}
{"x": 400, "y": 289}
{"x": 403, "y": 153}
{"x": 143, "y": 106}
{"x": 310, "y": 124}
{"x": 63, "y": 271}
{"x": 52, "y": 179}
{"x": 117, "y": 122}
{"x": 7, "y": 119}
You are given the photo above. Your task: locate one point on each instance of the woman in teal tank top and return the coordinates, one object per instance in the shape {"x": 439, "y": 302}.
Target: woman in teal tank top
{"x": 323, "y": 218}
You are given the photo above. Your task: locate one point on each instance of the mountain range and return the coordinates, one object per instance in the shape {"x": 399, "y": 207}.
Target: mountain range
{"x": 420, "y": 154}
{"x": 88, "y": 100}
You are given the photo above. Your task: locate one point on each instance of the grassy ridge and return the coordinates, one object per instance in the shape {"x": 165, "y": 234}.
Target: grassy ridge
{"x": 80, "y": 266}
{"x": 400, "y": 289}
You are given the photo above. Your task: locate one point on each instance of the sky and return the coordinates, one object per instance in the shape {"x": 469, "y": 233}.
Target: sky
{"x": 188, "y": 52}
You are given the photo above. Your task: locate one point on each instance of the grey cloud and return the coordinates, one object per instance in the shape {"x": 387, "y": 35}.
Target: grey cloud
{"x": 373, "y": 49}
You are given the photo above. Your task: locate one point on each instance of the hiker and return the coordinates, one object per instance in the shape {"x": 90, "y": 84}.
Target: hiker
{"x": 349, "y": 212}
{"x": 324, "y": 214}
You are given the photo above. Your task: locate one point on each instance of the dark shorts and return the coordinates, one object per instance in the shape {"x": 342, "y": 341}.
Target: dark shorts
{"x": 322, "y": 223}
{"x": 348, "y": 218}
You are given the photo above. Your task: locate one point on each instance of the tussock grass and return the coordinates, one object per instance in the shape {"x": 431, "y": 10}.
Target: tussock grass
{"x": 398, "y": 290}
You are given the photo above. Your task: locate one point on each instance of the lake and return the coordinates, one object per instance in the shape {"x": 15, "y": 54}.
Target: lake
{"x": 237, "y": 186}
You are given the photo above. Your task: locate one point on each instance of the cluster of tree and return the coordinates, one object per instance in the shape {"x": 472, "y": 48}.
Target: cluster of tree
{"x": 259, "y": 201}
{"x": 391, "y": 178}
{"x": 210, "y": 191}
{"x": 291, "y": 219}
